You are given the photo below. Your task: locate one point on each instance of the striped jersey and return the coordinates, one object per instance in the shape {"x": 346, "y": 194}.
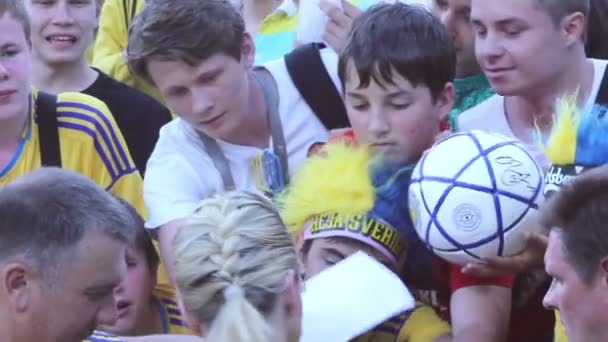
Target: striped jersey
{"x": 170, "y": 314}
{"x": 90, "y": 144}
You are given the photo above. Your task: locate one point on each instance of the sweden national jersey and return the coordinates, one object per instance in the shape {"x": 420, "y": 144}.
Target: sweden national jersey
{"x": 90, "y": 144}
{"x": 420, "y": 325}
{"x": 171, "y": 316}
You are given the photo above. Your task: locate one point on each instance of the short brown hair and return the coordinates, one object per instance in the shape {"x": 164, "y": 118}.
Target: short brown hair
{"x": 580, "y": 210}
{"x": 558, "y": 9}
{"x": 18, "y": 11}
{"x": 143, "y": 240}
{"x": 186, "y": 30}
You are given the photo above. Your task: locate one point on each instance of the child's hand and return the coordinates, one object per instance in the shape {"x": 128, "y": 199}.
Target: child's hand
{"x": 339, "y": 24}
{"x": 531, "y": 257}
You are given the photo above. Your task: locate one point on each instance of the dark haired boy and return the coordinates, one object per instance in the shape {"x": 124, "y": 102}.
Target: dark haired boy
{"x": 397, "y": 68}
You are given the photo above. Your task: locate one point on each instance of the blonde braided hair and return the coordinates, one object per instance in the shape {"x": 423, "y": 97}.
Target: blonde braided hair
{"x": 236, "y": 240}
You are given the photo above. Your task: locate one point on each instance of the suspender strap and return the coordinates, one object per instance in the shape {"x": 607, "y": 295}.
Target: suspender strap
{"x": 46, "y": 116}
{"x": 219, "y": 160}
{"x": 274, "y": 119}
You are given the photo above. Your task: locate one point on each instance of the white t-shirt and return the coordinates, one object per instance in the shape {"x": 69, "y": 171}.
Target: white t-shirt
{"x": 490, "y": 115}
{"x": 180, "y": 173}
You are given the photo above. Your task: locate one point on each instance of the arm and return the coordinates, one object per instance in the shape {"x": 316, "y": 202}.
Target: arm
{"x": 480, "y": 313}
{"x": 166, "y": 235}
{"x": 111, "y": 41}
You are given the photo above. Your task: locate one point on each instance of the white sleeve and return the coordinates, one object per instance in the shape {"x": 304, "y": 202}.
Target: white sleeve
{"x": 170, "y": 192}
{"x": 173, "y": 187}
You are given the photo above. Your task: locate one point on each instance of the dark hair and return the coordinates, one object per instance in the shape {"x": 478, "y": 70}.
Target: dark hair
{"x": 46, "y": 213}
{"x": 190, "y": 31}
{"x": 406, "y": 38}
{"x": 17, "y": 9}
{"x": 143, "y": 240}
{"x": 597, "y": 30}
{"x": 580, "y": 211}
{"x": 558, "y": 9}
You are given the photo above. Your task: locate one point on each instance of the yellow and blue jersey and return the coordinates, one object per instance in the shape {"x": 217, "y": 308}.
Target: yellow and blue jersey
{"x": 171, "y": 317}
{"x": 420, "y": 325}
{"x": 90, "y": 144}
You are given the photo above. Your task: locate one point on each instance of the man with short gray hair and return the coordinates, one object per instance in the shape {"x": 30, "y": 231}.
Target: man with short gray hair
{"x": 62, "y": 252}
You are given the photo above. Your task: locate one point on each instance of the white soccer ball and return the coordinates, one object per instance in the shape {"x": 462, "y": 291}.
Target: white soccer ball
{"x": 474, "y": 195}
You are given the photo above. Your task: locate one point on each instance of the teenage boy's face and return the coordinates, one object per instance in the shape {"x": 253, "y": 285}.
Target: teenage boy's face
{"x": 517, "y": 45}
{"x": 395, "y": 118}
{"x": 133, "y": 297}
{"x": 324, "y": 253}
{"x": 14, "y": 68}
{"x": 62, "y": 30}
{"x": 455, "y": 15}
{"x": 212, "y": 96}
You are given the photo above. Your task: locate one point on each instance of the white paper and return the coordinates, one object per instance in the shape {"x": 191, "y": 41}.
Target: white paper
{"x": 351, "y": 298}
{"x": 312, "y": 21}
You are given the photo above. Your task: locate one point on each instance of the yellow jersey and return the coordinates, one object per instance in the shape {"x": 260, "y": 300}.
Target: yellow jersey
{"x": 560, "y": 332}
{"x": 90, "y": 144}
{"x": 420, "y": 325}
{"x": 170, "y": 314}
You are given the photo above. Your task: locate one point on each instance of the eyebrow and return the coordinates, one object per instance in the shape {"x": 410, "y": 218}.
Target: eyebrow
{"x": 209, "y": 73}
{"x": 396, "y": 93}
{"x": 502, "y": 22}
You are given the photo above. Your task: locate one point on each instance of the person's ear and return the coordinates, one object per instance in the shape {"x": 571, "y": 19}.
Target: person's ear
{"x": 17, "y": 284}
{"x": 445, "y": 101}
{"x": 573, "y": 27}
{"x": 292, "y": 295}
{"x": 248, "y": 50}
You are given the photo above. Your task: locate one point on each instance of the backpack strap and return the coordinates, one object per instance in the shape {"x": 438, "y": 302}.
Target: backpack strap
{"x": 48, "y": 129}
{"x": 308, "y": 73}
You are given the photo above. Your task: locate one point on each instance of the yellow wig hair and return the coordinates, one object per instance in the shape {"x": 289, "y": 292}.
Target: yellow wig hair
{"x": 578, "y": 138}
{"x": 335, "y": 180}
{"x": 561, "y": 145}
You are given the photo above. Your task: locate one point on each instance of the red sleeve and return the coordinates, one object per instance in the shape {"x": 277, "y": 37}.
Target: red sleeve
{"x": 348, "y": 137}
{"x": 459, "y": 280}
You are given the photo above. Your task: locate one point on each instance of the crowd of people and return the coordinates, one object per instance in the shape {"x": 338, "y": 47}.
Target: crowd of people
{"x": 176, "y": 170}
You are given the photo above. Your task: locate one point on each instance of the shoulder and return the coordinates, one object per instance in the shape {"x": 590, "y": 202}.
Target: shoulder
{"x": 123, "y": 99}
{"x": 177, "y": 140}
{"x": 477, "y": 115}
{"x": 88, "y": 121}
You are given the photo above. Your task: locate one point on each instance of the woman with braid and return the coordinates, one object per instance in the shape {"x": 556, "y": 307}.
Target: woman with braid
{"x": 237, "y": 271}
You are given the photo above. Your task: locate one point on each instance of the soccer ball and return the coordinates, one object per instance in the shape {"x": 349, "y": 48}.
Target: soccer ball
{"x": 473, "y": 195}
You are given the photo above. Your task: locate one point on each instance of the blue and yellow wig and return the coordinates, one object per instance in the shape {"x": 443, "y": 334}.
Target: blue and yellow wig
{"x": 345, "y": 179}
{"x": 578, "y": 138}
